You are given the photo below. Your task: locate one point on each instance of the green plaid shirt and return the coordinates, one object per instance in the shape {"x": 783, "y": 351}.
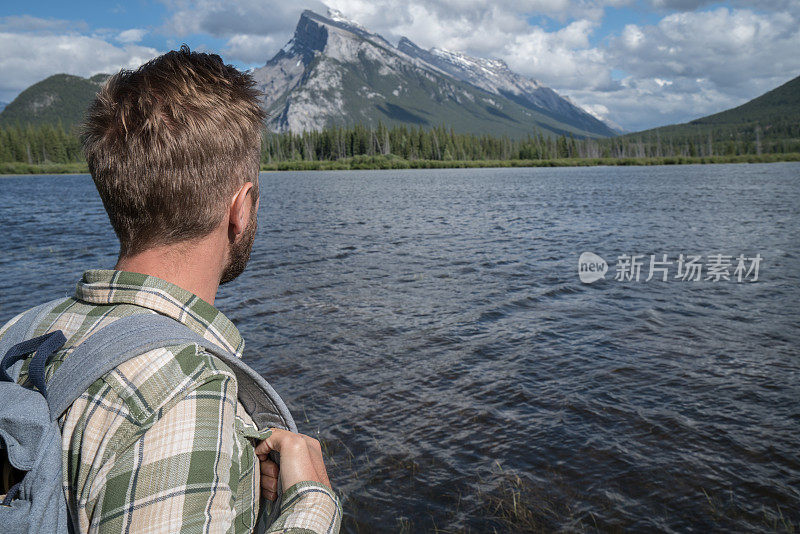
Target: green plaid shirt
{"x": 161, "y": 444}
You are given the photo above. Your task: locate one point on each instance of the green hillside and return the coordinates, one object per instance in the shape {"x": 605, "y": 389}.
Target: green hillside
{"x": 768, "y": 123}
{"x": 781, "y": 103}
{"x": 61, "y": 98}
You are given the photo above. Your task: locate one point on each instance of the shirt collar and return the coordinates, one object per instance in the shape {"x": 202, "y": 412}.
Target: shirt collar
{"x": 104, "y": 287}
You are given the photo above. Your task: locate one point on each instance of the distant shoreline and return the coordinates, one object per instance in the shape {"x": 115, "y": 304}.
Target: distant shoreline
{"x": 394, "y": 162}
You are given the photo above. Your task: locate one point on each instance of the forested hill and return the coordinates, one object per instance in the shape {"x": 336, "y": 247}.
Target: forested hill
{"x": 61, "y": 98}
{"x": 781, "y": 103}
{"x": 765, "y": 123}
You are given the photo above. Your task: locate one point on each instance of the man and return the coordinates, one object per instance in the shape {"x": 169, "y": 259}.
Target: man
{"x": 161, "y": 443}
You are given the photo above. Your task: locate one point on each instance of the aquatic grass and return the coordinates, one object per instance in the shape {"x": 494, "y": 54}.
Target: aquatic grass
{"x": 380, "y": 162}
{"x": 385, "y": 162}
{"x": 520, "y": 506}
{"x": 777, "y": 522}
{"x": 511, "y": 501}
{"x": 725, "y": 513}
{"x": 49, "y": 168}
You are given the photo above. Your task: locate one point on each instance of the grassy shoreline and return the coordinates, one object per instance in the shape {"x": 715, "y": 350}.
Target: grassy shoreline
{"x": 394, "y": 162}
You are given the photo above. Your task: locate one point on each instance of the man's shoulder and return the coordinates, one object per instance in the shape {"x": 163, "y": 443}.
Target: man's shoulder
{"x": 151, "y": 383}
{"x": 52, "y": 306}
{"x": 148, "y": 384}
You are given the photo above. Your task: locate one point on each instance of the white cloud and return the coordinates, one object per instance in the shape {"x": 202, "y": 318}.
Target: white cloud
{"x": 692, "y": 64}
{"x": 32, "y": 57}
{"x": 692, "y": 5}
{"x": 134, "y": 35}
{"x": 731, "y": 48}
{"x": 235, "y": 17}
{"x": 476, "y": 26}
{"x": 251, "y": 49}
{"x": 563, "y": 59}
{"x": 254, "y": 30}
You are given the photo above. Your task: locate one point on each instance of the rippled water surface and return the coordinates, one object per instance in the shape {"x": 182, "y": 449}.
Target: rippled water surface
{"x": 430, "y": 326}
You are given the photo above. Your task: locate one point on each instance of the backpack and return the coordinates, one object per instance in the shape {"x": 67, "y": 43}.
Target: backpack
{"x": 30, "y": 436}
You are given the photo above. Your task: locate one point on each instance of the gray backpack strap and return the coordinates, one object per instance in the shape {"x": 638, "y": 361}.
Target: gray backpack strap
{"x": 23, "y": 329}
{"x": 134, "y": 335}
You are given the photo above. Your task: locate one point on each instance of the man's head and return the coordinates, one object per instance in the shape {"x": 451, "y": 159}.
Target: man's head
{"x": 170, "y": 146}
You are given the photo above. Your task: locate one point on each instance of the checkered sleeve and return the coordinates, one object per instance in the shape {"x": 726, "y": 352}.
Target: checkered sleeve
{"x": 308, "y": 507}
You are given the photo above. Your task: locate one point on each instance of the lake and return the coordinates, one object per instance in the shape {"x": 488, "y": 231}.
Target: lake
{"x": 431, "y": 328}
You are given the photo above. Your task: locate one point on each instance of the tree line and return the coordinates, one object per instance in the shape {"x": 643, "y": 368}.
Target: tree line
{"x": 45, "y": 144}
{"x": 40, "y": 144}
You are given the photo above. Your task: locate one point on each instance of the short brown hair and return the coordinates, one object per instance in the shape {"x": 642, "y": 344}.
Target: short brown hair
{"x": 169, "y": 143}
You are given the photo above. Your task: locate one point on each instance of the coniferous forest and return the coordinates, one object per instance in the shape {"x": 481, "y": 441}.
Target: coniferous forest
{"x": 58, "y": 149}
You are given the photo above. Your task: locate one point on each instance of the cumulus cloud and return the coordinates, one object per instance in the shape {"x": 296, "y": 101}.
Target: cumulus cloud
{"x": 254, "y": 30}
{"x": 562, "y": 58}
{"x": 32, "y": 49}
{"x": 236, "y": 17}
{"x": 693, "y": 5}
{"x": 732, "y": 49}
{"x": 682, "y": 5}
{"x": 134, "y": 35}
{"x": 692, "y": 64}
{"x": 645, "y": 103}
{"x": 251, "y": 49}
{"x": 33, "y": 57}
{"x": 470, "y": 25}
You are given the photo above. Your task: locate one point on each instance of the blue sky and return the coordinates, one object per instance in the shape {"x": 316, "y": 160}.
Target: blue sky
{"x": 635, "y": 63}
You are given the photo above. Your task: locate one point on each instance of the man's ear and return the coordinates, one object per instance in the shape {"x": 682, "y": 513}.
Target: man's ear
{"x": 239, "y": 213}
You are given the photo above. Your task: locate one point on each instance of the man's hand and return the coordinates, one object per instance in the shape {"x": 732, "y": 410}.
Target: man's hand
{"x": 301, "y": 460}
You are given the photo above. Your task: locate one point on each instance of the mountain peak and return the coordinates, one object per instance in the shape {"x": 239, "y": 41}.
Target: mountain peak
{"x": 309, "y": 37}
{"x": 335, "y": 71}
{"x": 313, "y": 29}
{"x": 337, "y": 16}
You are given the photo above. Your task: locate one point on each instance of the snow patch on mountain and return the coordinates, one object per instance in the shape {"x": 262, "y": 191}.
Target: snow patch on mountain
{"x": 338, "y": 16}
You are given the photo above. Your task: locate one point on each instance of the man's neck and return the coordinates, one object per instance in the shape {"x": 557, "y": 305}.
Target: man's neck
{"x": 189, "y": 267}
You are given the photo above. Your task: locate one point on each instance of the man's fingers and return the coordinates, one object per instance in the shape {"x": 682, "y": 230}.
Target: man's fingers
{"x": 315, "y": 448}
{"x": 264, "y": 446}
{"x": 269, "y": 486}
{"x": 301, "y": 457}
{"x": 269, "y": 469}
{"x": 269, "y": 483}
{"x": 269, "y": 479}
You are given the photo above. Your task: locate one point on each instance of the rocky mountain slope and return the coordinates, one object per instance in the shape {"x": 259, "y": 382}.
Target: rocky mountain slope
{"x": 336, "y": 72}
